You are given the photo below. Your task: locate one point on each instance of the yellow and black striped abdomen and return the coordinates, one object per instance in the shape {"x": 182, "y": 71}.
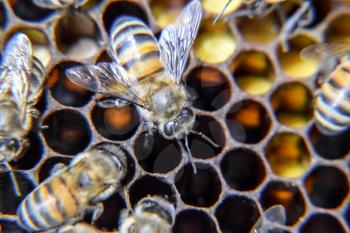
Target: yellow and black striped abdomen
{"x": 332, "y": 107}
{"x": 135, "y": 47}
{"x": 48, "y": 206}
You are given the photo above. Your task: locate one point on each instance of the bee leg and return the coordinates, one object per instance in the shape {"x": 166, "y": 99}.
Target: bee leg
{"x": 14, "y": 180}
{"x": 112, "y": 102}
{"x": 150, "y": 129}
{"x": 292, "y": 25}
{"x": 96, "y": 210}
{"x": 57, "y": 168}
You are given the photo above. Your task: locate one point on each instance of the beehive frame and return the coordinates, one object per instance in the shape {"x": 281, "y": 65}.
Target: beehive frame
{"x": 254, "y": 100}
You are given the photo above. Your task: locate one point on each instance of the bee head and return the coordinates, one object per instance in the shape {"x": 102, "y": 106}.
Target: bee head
{"x": 102, "y": 169}
{"x": 157, "y": 205}
{"x": 180, "y": 126}
{"x": 10, "y": 148}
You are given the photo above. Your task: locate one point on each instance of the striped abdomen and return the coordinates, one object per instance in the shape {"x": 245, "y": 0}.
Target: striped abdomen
{"x": 48, "y": 206}
{"x": 332, "y": 107}
{"x": 135, "y": 47}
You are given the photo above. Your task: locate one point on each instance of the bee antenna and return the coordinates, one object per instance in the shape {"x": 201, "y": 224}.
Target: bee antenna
{"x": 221, "y": 13}
{"x": 190, "y": 157}
{"x": 13, "y": 178}
{"x": 188, "y": 151}
{"x": 206, "y": 138}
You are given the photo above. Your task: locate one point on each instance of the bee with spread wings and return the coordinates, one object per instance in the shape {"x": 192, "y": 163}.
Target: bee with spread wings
{"x": 148, "y": 73}
{"x": 331, "y": 110}
{"x": 273, "y": 218}
{"x": 59, "y": 4}
{"x": 21, "y": 80}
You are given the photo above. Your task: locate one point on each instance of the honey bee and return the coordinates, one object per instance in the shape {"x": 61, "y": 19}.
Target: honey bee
{"x": 332, "y": 103}
{"x": 71, "y": 191}
{"x": 21, "y": 81}
{"x": 81, "y": 228}
{"x": 151, "y": 215}
{"x": 273, "y": 218}
{"x": 59, "y": 4}
{"x": 148, "y": 73}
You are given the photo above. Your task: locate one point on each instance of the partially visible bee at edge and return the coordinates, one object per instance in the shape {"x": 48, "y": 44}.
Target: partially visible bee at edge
{"x": 253, "y": 8}
{"x": 151, "y": 215}
{"x": 149, "y": 74}
{"x": 59, "y": 4}
{"x": 79, "y": 228}
{"x": 272, "y": 219}
{"x": 303, "y": 16}
{"x": 332, "y": 102}
{"x": 21, "y": 82}
{"x": 71, "y": 191}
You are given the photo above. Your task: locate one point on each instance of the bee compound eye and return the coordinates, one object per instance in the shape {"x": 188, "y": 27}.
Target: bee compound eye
{"x": 169, "y": 128}
{"x": 84, "y": 180}
{"x": 186, "y": 112}
{"x": 12, "y": 144}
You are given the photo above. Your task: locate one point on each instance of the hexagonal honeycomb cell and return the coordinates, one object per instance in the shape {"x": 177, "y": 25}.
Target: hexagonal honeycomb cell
{"x": 254, "y": 144}
{"x": 288, "y": 155}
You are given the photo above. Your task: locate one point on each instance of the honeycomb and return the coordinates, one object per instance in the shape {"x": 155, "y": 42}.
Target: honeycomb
{"x": 252, "y": 99}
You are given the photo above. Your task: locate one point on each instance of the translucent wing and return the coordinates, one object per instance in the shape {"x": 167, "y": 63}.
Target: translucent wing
{"x": 53, "y": 4}
{"x": 275, "y": 215}
{"x": 17, "y": 53}
{"x": 107, "y": 78}
{"x": 177, "y": 39}
{"x": 17, "y": 61}
{"x": 323, "y": 50}
{"x": 5, "y": 82}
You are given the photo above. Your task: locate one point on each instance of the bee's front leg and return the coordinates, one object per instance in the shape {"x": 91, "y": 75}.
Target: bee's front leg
{"x": 150, "y": 129}
{"x": 112, "y": 102}
{"x": 96, "y": 211}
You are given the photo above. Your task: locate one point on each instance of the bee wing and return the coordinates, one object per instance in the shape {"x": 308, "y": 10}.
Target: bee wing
{"x": 325, "y": 50}
{"x": 17, "y": 62}
{"x": 274, "y": 215}
{"x": 107, "y": 78}
{"x": 177, "y": 39}
{"x": 5, "y": 83}
{"x": 52, "y": 4}
{"x": 17, "y": 53}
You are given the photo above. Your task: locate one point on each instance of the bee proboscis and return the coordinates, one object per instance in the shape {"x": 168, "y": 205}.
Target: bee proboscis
{"x": 332, "y": 101}
{"x": 59, "y": 4}
{"x": 272, "y": 218}
{"x": 21, "y": 81}
{"x": 148, "y": 73}
{"x": 151, "y": 215}
{"x": 71, "y": 191}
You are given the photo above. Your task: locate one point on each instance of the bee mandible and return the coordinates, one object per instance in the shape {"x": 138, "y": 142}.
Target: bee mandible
{"x": 148, "y": 73}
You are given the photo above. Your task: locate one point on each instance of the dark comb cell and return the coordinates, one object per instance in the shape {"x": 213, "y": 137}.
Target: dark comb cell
{"x": 67, "y": 132}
